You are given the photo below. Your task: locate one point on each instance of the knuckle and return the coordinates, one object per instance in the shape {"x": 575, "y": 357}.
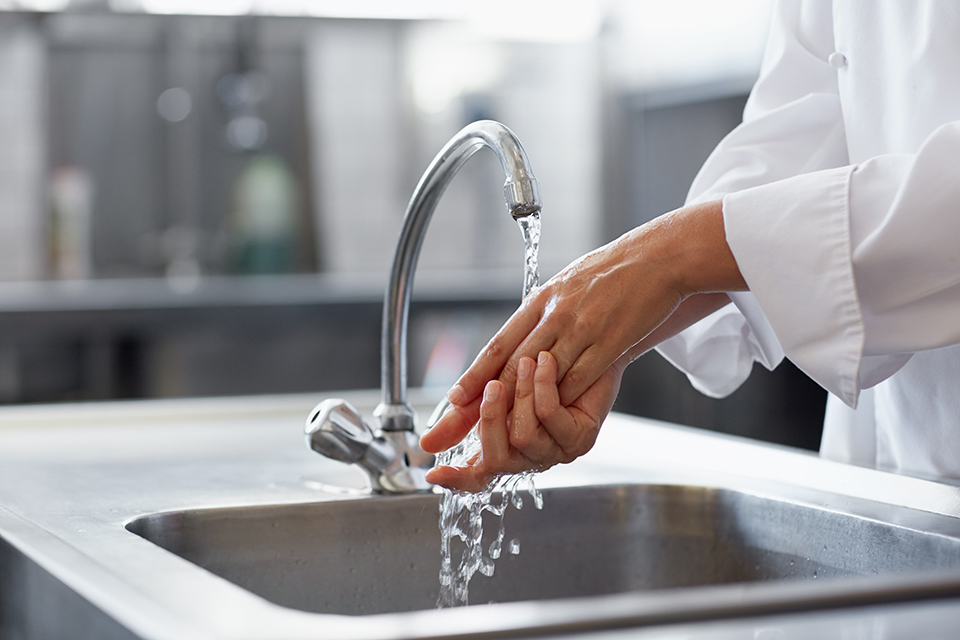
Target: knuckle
{"x": 581, "y": 324}
{"x": 494, "y": 349}
{"x": 487, "y": 413}
{"x": 574, "y": 377}
{"x": 550, "y": 414}
{"x": 524, "y": 391}
{"x": 583, "y": 443}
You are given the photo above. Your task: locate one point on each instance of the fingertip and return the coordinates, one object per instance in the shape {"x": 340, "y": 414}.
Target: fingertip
{"x": 472, "y": 479}
{"x": 525, "y": 368}
{"x": 493, "y": 407}
{"x": 491, "y": 393}
{"x": 547, "y": 359}
{"x": 427, "y": 443}
{"x": 450, "y": 428}
{"x": 457, "y": 395}
{"x": 546, "y": 368}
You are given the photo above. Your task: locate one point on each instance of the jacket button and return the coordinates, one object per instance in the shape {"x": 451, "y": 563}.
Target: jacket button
{"x": 837, "y": 60}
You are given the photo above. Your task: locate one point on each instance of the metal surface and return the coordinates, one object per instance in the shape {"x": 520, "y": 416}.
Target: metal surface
{"x": 657, "y": 525}
{"x": 380, "y": 556}
{"x": 393, "y": 460}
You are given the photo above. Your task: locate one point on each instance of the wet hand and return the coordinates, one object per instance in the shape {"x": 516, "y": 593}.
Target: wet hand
{"x": 535, "y": 435}
{"x": 605, "y": 303}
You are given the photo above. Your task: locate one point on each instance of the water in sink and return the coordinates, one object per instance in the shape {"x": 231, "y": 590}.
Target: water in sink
{"x": 379, "y": 554}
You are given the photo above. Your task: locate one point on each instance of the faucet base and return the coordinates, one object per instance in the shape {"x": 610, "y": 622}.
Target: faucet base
{"x": 392, "y": 459}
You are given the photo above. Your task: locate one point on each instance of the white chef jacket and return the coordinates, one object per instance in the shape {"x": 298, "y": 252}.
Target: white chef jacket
{"x": 841, "y": 204}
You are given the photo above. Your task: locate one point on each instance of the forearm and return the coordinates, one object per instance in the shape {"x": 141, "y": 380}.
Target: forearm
{"x": 691, "y": 245}
{"x": 691, "y": 310}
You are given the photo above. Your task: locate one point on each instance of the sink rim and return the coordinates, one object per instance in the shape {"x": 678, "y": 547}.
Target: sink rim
{"x": 76, "y": 494}
{"x": 655, "y": 606}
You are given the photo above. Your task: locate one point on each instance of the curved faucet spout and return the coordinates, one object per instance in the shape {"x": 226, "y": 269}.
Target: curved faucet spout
{"x": 392, "y": 457}
{"x": 522, "y": 193}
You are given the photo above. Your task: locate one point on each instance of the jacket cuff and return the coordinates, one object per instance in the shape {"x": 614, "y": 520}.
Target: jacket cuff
{"x": 791, "y": 240}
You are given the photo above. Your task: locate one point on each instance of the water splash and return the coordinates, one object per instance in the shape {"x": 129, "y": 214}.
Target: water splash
{"x": 461, "y": 513}
{"x": 461, "y": 517}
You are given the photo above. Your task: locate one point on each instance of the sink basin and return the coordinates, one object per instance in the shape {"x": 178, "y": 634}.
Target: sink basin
{"x": 381, "y": 554}
{"x": 210, "y": 519}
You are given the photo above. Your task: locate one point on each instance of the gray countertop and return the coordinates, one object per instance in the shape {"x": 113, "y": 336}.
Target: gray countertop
{"x": 72, "y": 475}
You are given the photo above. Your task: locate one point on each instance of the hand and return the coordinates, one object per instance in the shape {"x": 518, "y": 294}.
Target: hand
{"x": 613, "y": 304}
{"x": 547, "y": 432}
{"x": 606, "y": 302}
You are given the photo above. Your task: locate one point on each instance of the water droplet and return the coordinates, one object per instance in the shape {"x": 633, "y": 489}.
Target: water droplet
{"x": 486, "y": 567}
{"x": 515, "y": 546}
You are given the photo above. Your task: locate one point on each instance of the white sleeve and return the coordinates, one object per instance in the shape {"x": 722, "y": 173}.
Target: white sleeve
{"x": 867, "y": 266}
{"x": 792, "y": 125}
{"x": 855, "y": 268}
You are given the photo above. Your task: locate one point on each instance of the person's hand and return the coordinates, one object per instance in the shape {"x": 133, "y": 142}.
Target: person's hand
{"x": 603, "y": 304}
{"x": 612, "y": 305}
{"x": 537, "y": 434}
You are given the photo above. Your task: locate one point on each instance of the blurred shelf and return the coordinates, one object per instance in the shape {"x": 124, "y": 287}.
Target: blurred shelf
{"x": 164, "y": 303}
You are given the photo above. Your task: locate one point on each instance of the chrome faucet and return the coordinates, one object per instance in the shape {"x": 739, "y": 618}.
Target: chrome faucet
{"x": 393, "y": 457}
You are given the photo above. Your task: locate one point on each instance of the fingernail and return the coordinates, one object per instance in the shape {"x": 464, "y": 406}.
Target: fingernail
{"x": 491, "y": 392}
{"x": 542, "y": 358}
{"x": 457, "y": 395}
{"x": 525, "y": 368}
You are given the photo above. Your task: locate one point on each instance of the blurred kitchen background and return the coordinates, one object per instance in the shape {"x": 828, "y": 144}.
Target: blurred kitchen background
{"x": 201, "y": 197}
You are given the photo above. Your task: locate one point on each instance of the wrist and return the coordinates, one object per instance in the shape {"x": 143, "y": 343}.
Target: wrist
{"x": 693, "y": 250}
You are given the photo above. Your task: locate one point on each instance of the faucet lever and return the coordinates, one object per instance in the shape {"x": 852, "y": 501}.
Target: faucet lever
{"x": 394, "y": 461}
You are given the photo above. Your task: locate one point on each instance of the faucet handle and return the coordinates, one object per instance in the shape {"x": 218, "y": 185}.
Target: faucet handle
{"x": 336, "y": 430}
{"x": 393, "y": 460}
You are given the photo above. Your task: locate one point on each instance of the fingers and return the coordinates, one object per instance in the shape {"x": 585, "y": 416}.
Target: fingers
{"x": 555, "y": 418}
{"x": 526, "y": 434}
{"x": 497, "y": 457}
{"x": 543, "y": 431}
{"x": 451, "y": 428}
{"x": 494, "y": 357}
{"x": 583, "y": 373}
{"x": 473, "y": 478}
{"x": 495, "y": 454}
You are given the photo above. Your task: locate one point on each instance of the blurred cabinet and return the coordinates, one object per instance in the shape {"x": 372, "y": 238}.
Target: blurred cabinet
{"x": 167, "y": 115}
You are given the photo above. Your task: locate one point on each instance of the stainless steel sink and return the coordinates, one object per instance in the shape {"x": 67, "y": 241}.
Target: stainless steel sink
{"x": 381, "y": 554}
{"x": 209, "y": 520}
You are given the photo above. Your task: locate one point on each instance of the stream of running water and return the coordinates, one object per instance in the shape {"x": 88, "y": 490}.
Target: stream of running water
{"x": 461, "y": 513}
